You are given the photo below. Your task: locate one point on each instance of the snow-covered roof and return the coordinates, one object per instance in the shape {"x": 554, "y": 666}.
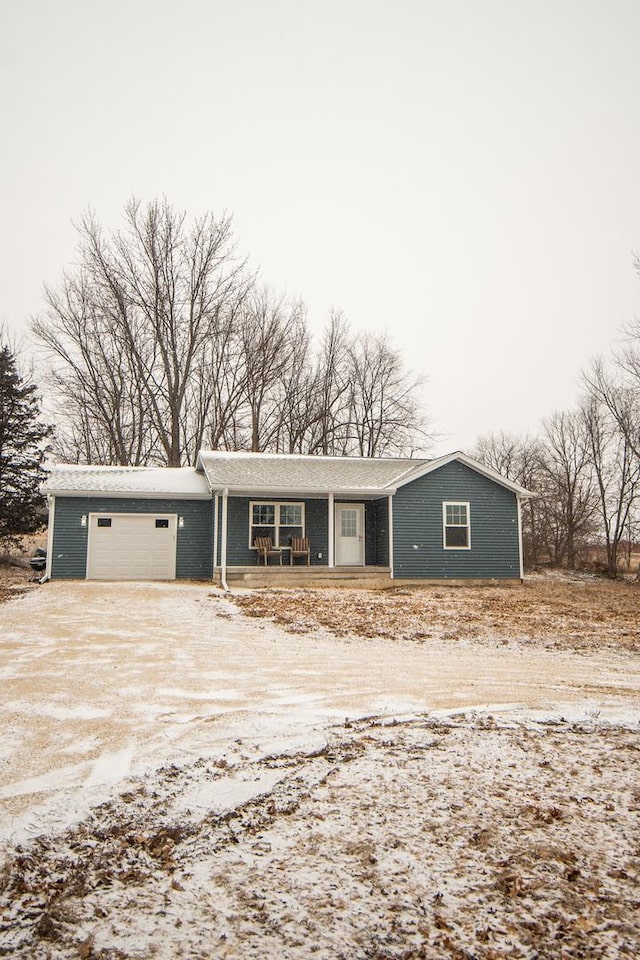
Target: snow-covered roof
{"x": 154, "y": 482}
{"x": 258, "y": 473}
{"x": 298, "y": 473}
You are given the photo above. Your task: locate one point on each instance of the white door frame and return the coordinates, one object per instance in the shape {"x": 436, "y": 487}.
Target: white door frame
{"x": 359, "y": 561}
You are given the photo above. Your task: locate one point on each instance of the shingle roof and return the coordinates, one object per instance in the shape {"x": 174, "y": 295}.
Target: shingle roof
{"x": 301, "y": 474}
{"x": 260, "y": 473}
{"x": 175, "y": 482}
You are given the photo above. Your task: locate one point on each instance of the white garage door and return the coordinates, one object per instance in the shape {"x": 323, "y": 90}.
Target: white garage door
{"x": 131, "y": 546}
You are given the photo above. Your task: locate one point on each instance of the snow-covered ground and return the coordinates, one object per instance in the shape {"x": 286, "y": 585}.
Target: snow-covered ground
{"x": 188, "y": 781}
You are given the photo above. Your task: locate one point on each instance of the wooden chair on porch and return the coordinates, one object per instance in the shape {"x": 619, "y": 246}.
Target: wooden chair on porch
{"x": 300, "y": 547}
{"x": 266, "y": 549}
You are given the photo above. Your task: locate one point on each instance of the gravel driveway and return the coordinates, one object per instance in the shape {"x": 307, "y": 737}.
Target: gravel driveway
{"x": 105, "y": 680}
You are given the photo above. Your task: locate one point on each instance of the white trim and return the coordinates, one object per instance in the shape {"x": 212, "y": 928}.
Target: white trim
{"x": 277, "y": 504}
{"x": 460, "y": 526}
{"x": 131, "y": 494}
{"x": 520, "y": 548}
{"x": 288, "y": 494}
{"x": 332, "y": 528}
{"x": 50, "y": 526}
{"x": 390, "y": 512}
{"x": 215, "y": 533}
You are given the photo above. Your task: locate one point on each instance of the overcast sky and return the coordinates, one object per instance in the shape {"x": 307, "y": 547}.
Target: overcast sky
{"x": 464, "y": 175}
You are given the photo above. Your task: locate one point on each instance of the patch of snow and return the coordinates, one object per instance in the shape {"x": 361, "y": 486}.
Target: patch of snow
{"x": 226, "y": 793}
{"x": 46, "y": 783}
{"x": 111, "y": 767}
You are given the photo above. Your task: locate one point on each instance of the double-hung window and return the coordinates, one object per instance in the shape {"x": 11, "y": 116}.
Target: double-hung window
{"x": 280, "y": 521}
{"x": 456, "y": 525}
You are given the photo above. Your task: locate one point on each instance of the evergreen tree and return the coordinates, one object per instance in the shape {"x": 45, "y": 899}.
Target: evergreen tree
{"x": 22, "y": 452}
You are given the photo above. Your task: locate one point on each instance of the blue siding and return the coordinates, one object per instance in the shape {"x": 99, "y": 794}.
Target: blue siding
{"x": 239, "y": 553}
{"x": 381, "y": 527}
{"x": 194, "y": 556}
{"x": 417, "y": 527}
{"x": 376, "y": 530}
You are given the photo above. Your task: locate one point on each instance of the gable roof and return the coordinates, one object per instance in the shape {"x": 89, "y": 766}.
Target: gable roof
{"x": 300, "y": 474}
{"x": 178, "y": 483}
{"x": 431, "y": 465}
{"x": 259, "y": 474}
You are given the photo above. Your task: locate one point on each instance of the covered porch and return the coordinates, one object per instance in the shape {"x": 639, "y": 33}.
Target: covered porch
{"x": 349, "y": 539}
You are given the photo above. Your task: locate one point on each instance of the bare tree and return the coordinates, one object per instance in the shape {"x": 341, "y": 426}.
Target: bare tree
{"x": 384, "y": 412}
{"x": 270, "y": 329}
{"x": 617, "y": 387}
{"x": 617, "y": 471}
{"x": 329, "y": 428}
{"x": 503, "y": 452}
{"x": 296, "y": 395}
{"x": 570, "y": 491}
{"x": 161, "y": 342}
{"x": 129, "y": 331}
{"x": 613, "y": 415}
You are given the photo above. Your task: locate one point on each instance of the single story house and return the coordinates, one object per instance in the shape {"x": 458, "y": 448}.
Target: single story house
{"x": 405, "y": 519}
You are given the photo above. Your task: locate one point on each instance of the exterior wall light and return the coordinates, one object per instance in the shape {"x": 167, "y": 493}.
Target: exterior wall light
{"x": 181, "y": 521}
{"x": 83, "y": 520}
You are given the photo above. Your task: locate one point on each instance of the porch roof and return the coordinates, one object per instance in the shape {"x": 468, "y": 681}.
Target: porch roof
{"x": 298, "y": 474}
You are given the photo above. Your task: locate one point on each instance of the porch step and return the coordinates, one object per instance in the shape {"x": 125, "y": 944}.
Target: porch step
{"x": 299, "y": 576}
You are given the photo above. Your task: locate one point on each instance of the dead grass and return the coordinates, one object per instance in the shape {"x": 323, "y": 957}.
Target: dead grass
{"x": 556, "y": 613}
{"x": 14, "y": 579}
{"x": 15, "y": 573}
{"x": 466, "y": 839}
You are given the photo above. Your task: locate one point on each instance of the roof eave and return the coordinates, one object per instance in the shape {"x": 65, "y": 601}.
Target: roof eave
{"x": 313, "y": 493}
{"x": 127, "y": 494}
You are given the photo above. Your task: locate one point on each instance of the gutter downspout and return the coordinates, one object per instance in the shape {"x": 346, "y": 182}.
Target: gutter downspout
{"x": 223, "y": 548}
{"x": 52, "y": 517}
{"x": 390, "y": 510}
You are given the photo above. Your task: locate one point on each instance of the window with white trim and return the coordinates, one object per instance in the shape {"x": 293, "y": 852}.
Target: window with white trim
{"x": 456, "y": 525}
{"x": 280, "y": 521}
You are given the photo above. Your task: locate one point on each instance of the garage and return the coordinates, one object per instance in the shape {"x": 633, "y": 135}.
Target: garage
{"x": 126, "y": 546}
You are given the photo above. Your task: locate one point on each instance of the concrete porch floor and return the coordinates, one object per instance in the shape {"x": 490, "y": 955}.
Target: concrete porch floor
{"x": 307, "y": 576}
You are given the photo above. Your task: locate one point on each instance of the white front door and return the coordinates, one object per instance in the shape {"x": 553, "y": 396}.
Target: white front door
{"x": 349, "y": 534}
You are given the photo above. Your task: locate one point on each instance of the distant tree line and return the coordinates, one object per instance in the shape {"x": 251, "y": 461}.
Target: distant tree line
{"x": 162, "y": 341}
{"x": 584, "y": 467}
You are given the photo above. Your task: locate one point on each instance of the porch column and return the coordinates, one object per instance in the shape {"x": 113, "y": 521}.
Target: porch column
{"x": 223, "y": 546}
{"x": 331, "y": 529}
{"x": 215, "y": 533}
{"x": 390, "y": 519}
